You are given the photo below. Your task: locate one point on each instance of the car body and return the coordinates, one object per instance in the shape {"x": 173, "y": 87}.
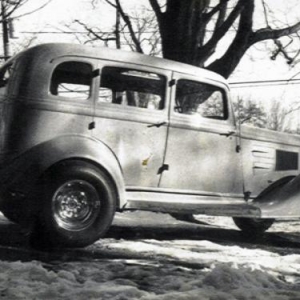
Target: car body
{"x": 161, "y": 134}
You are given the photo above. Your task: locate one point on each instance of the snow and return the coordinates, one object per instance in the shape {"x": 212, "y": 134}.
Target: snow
{"x": 137, "y": 280}
{"x": 163, "y": 269}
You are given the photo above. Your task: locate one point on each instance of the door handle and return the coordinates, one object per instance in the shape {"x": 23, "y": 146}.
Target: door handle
{"x": 157, "y": 124}
{"x": 229, "y": 133}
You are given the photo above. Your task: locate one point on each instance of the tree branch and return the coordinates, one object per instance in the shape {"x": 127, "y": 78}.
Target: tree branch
{"x": 9, "y": 8}
{"x": 219, "y": 33}
{"x": 156, "y": 8}
{"x": 242, "y": 41}
{"x": 264, "y": 5}
{"x": 33, "y": 11}
{"x": 220, "y": 7}
{"x": 110, "y": 3}
{"x": 96, "y": 36}
{"x": 130, "y": 27}
{"x": 222, "y": 14}
{"x": 222, "y": 30}
{"x": 273, "y": 34}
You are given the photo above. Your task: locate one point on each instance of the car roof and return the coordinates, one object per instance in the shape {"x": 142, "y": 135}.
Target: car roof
{"x": 53, "y": 51}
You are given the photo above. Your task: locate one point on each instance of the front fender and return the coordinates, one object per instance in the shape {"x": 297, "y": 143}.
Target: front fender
{"x": 281, "y": 202}
{"x": 25, "y": 170}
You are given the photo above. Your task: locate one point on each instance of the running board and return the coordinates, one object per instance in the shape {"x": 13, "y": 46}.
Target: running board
{"x": 189, "y": 203}
{"x": 213, "y": 209}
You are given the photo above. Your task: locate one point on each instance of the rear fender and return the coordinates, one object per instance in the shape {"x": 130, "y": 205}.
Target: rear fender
{"x": 24, "y": 172}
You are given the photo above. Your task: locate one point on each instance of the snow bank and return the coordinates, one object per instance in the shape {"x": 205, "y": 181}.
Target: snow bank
{"x": 122, "y": 280}
{"x": 158, "y": 270}
{"x": 170, "y": 270}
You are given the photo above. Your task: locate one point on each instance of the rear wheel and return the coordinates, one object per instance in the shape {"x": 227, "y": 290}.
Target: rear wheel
{"x": 78, "y": 205}
{"x": 253, "y": 226}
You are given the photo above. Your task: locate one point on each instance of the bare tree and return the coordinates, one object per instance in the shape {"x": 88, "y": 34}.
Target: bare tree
{"x": 192, "y": 30}
{"x": 285, "y": 119}
{"x": 8, "y": 8}
{"x": 277, "y": 116}
{"x": 146, "y": 33}
{"x": 138, "y": 31}
{"x": 282, "y": 48}
{"x": 9, "y": 12}
{"x": 250, "y": 112}
{"x": 95, "y": 34}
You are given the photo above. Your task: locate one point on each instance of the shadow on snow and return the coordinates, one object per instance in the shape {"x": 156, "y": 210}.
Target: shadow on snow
{"x": 15, "y": 241}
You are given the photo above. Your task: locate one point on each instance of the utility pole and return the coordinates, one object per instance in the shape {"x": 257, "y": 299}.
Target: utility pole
{"x": 5, "y": 31}
{"x": 117, "y": 31}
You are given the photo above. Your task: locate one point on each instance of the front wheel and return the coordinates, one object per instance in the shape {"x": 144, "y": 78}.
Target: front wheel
{"x": 253, "y": 226}
{"x": 78, "y": 205}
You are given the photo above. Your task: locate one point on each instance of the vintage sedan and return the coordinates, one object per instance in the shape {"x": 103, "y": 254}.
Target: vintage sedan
{"x": 86, "y": 132}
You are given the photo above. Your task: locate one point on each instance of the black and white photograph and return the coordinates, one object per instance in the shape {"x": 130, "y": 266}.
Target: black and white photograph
{"x": 149, "y": 150}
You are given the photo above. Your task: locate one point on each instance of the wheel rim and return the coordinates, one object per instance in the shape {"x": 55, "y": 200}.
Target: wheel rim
{"x": 75, "y": 205}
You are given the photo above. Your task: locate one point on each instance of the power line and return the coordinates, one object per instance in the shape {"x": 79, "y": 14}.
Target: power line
{"x": 77, "y": 32}
{"x": 54, "y": 32}
{"x": 246, "y": 84}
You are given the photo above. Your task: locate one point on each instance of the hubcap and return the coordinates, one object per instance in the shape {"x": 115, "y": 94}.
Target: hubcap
{"x": 75, "y": 205}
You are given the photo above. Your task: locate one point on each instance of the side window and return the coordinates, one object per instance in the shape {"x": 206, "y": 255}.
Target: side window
{"x": 72, "y": 79}
{"x": 132, "y": 88}
{"x": 196, "y": 98}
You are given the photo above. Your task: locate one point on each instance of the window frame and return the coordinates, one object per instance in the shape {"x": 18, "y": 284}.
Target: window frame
{"x": 166, "y": 74}
{"x": 64, "y": 99}
{"x": 226, "y": 110}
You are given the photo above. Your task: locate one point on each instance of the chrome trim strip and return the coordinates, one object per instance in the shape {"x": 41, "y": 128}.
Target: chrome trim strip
{"x": 133, "y": 189}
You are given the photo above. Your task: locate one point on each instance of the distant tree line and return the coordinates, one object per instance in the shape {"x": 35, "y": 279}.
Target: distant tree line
{"x": 276, "y": 117}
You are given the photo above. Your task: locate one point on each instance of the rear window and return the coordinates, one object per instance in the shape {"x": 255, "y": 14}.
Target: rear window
{"x": 72, "y": 80}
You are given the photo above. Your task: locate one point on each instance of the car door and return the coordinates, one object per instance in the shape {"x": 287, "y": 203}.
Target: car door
{"x": 202, "y": 154}
{"x": 131, "y": 118}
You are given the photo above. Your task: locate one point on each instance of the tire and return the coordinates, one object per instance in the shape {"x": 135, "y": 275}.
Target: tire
{"x": 253, "y": 227}
{"x": 78, "y": 206}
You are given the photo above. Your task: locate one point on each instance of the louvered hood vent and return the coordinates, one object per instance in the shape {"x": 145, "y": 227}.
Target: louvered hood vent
{"x": 286, "y": 160}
